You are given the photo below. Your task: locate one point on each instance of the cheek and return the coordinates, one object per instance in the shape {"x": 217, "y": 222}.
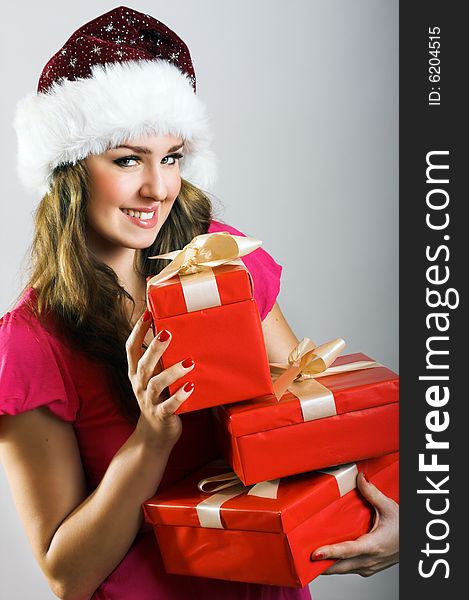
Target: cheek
{"x": 107, "y": 188}
{"x": 104, "y": 199}
{"x": 110, "y": 192}
{"x": 166, "y": 209}
{"x": 98, "y": 209}
{"x": 175, "y": 186}
{"x": 173, "y": 189}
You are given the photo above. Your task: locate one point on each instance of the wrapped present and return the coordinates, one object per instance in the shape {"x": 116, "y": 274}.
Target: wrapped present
{"x": 204, "y": 298}
{"x": 346, "y": 412}
{"x": 210, "y": 525}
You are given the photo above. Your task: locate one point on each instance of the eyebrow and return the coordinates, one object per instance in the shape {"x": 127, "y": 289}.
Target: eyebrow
{"x": 143, "y": 150}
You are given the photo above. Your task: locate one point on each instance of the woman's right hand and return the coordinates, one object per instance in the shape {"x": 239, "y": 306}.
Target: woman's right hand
{"x": 158, "y": 424}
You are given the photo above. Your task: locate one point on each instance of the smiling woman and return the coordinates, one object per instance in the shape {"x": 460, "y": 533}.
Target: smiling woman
{"x": 87, "y": 430}
{"x": 131, "y": 196}
{"x": 117, "y": 143}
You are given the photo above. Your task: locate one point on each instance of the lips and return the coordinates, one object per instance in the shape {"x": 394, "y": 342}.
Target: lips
{"x": 146, "y": 218}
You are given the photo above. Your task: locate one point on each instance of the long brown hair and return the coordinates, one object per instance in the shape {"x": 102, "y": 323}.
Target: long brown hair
{"x": 83, "y": 294}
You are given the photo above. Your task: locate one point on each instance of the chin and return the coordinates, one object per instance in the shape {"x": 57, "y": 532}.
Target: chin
{"x": 141, "y": 243}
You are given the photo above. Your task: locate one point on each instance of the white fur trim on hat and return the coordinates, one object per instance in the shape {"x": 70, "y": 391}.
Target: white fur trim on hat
{"x": 120, "y": 101}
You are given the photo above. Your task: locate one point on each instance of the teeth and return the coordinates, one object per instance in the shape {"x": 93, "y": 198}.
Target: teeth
{"x": 145, "y": 216}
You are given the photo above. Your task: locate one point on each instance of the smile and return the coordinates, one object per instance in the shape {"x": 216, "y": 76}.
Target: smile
{"x": 138, "y": 214}
{"x": 145, "y": 219}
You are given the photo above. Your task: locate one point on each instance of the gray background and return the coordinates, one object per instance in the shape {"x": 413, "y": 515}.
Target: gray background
{"x": 304, "y": 102}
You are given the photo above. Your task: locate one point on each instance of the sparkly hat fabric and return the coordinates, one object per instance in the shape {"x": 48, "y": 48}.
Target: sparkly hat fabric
{"x": 120, "y": 76}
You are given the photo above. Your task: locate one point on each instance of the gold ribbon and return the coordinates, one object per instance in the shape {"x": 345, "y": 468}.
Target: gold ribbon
{"x": 345, "y": 476}
{"x": 306, "y": 360}
{"x": 228, "y": 485}
{"x": 306, "y": 363}
{"x": 193, "y": 264}
{"x": 223, "y": 488}
{"x": 204, "y": 252}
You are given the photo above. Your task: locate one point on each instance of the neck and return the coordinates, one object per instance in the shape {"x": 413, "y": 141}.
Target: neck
{"x": 121, "y": 261}
{"x": 131, "y": 281}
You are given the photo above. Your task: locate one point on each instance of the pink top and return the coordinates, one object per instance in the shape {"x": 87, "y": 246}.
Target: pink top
{"x": 39, "y": 368}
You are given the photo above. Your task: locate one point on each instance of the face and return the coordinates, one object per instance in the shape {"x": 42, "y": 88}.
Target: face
{"x": 132, "y": 190}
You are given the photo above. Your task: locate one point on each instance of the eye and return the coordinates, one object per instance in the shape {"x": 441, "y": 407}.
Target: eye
{"x": 171, "y": 159}
{"x": 126, "y": 161}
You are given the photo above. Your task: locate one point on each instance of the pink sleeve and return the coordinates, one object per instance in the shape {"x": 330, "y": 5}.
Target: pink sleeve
{"x": 32, "y": 372}
{"x": 263, "y": 268}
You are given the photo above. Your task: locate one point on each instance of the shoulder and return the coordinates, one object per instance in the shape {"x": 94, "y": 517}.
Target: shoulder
{"x": 20, "y": 324}
{"x": 265, "y": 271}
{"x": 217, "y": 226}
{"x": 260, "y": 258}
{"x": 20, "y": 327}
{"x": 33, "y": 364}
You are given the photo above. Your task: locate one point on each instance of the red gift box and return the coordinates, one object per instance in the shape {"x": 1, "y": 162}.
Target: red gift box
{"x": 225, "y": 341}
{"x": 265, "y": 535}
{"x": 355, "y": 417}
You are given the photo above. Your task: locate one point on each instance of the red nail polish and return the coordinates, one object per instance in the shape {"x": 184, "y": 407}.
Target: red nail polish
{"x": 163, "y": 335}
{"x": 188, "y": 362}
{"x": 365, "y": 478}
{"x": 188, "y": 387}
{"x": 146, "y": 316}
{"x": 319, "y": 556}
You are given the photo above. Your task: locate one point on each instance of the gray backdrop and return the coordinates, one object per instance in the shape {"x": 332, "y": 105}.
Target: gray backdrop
{"x": 304, "y": 100}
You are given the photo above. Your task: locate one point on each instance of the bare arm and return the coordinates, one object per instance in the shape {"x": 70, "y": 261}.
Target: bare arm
{"x": 278, "y": 335}
{"x": 79, "y": 540}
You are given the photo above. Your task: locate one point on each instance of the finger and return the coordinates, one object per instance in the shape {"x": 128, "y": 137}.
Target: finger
{"x": 170, "y": 376}
{"x": 364, "y": 565}
{"x": 344, "y": 549}
{"x": 133, "y": 345}
{"x": 167, "y": 377}
{"x": 169, "y": 407}
{"x": 150, "y": 358}
{"x": 370, "y": 492}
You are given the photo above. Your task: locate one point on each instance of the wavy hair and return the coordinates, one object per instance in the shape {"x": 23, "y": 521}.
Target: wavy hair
{"x": 83, "y": 294}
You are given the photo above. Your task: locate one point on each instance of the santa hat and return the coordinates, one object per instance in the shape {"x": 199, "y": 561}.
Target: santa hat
{"x": 120, "y": 76}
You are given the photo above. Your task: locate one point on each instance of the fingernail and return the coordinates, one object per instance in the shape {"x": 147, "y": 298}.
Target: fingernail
{"x": 188, "y": 362}
{"x": 188, "y": 387}
{"x": 365, "y": 477}
{"x": 146, "y": 316}
{"x": 163, "y": 335}
{"x": 319, "y": 556}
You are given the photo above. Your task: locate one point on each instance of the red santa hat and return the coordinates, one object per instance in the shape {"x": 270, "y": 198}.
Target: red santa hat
{"x": 120, "y": 76}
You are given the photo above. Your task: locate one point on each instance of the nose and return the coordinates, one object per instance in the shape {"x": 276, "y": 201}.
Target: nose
{"x": 154, "y": 184}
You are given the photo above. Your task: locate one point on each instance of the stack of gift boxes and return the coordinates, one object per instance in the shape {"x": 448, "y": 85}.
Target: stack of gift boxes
{"x": 295, "y": 435}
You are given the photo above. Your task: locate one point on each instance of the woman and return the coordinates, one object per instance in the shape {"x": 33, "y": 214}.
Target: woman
{"x": 117, "y": 142}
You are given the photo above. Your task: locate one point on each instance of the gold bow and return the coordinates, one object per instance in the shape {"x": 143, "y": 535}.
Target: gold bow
{"x": 224, "y": 487}
{"x": 306, "y": 360}
{"x": 228, "y": 485}
{"x": 204, "y": 252}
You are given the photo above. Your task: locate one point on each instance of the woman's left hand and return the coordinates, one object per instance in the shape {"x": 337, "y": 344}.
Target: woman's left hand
{"x": 373, "y": 551}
